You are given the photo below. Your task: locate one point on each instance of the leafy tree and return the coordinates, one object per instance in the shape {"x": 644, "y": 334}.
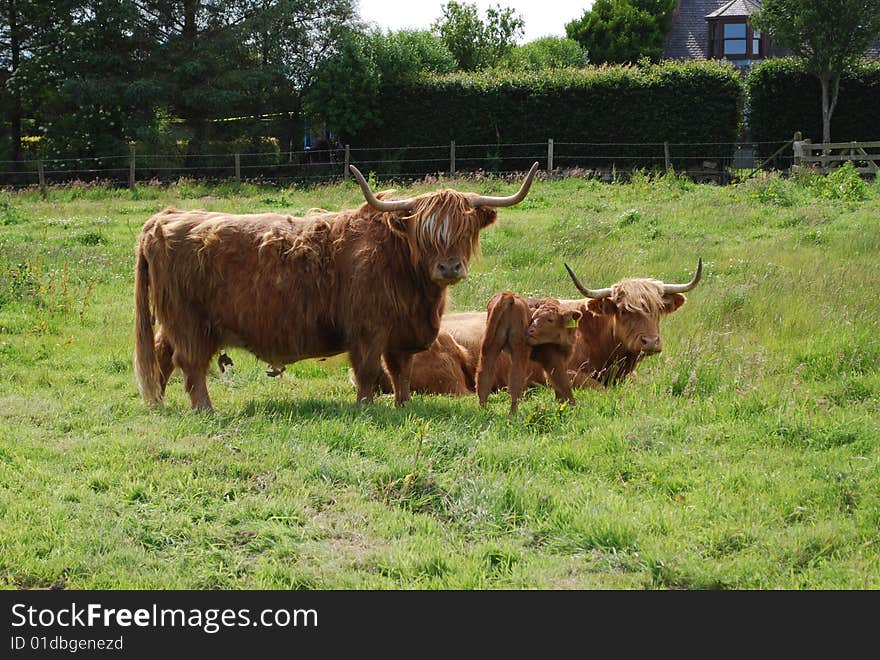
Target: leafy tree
{"x": 621, "y": 31}
{"x": 345, "y": 91}
{"x": 222, "y": 58}
{"x": 547, "y": 53}
{"x": 478, "y": 44}
{"x": 92, "y": 91}
{"x": 829, "y": 37}
{"x": 407, "y": 53}
{"x": 29, "y": 30}
{"x": 343, "y": 95}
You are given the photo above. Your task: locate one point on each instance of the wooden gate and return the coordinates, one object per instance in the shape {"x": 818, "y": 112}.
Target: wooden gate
{"x": 827, "y": 157}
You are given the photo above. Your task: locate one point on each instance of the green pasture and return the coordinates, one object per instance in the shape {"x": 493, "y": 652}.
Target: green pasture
{"x": 745, "y": 456}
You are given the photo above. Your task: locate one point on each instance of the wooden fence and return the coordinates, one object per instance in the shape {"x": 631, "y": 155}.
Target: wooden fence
{"x": 716, "y": 162}
{"x": 826, "y": 157}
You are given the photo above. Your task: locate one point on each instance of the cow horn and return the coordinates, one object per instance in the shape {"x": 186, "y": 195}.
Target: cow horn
{"x": 508, "y": 201}
{"x": 589, "y": 293}
{"x": 379, "y": 204}
{"x": 681, "y": 288}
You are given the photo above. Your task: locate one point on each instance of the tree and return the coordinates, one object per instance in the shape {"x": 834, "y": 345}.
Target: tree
{"x": 222, "y": 58}
{"x": 345, "y": 91}
{"x": 828, "y": 37}
{"x": 547, "y": 53}
{"x": 90, "y": 88}
{"x": 621, "y": 31}
{"x": 478, "y": 44}
{"x": 407, "y": 53}
{"x": 29, "y": 30}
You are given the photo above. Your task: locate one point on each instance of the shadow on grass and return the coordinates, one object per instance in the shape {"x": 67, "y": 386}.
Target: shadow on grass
{"x": 382, "y": 412}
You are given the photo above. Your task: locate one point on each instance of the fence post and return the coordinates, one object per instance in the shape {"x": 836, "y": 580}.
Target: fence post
{"x": 238, "y": 168}
{"x": 550, "y": 156}
{"x": 347, "y": 163}
{"x": 131, "y": 167}
{"x": 666, "y": 156}
{"x": 806, "y": 147}
{"x": 797, "y": 148}
{"x": 452, "y": 158}
{"x": 42, "y": 177}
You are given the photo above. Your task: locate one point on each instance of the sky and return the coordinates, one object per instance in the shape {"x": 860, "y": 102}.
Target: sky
{"x": 542, "y": 17}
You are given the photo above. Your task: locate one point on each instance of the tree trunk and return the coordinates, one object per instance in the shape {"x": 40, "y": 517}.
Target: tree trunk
{"x": 15, "y": 112}
{"x": 830, "y": 91}
{"x": 194, "y": 119}
{"x": 826, "y": 108}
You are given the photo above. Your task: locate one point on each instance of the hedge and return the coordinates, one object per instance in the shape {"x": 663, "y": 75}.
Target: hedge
{"x": 638, "y": 106}
{"x": 784, "y": 98}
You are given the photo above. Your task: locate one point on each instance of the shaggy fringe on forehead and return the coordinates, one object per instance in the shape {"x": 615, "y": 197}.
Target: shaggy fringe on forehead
{"x": 442, "y": 219}
{"x": 548, "y": 307}
{"x": 638, "y": 295}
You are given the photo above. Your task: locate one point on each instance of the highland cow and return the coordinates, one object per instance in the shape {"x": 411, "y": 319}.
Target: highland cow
{"x": 370, "y": 281}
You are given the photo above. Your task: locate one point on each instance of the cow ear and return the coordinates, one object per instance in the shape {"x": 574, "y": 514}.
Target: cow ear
{"x": 602, "y": 306}
{"x": 486, "y": 215}
{"x": 398, "y": 225}
{"x": 672, "y": 301}
{"x": 574, "y": 316}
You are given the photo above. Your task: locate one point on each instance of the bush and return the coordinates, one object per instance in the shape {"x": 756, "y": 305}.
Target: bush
{"x": 581, "y": 109}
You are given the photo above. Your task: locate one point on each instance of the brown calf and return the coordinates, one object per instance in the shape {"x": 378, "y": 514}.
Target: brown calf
{"x": 542, "y": 331}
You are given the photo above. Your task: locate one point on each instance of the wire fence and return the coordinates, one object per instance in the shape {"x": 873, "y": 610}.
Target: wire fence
{"x": 717, "y": 162}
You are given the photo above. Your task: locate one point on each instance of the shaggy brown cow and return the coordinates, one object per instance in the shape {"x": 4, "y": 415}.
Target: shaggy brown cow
{"x": 618, "y": 327}
{"x": 621, "y": 326}
{"x": 371, "y": 281}
{"x": 539, "y": 330}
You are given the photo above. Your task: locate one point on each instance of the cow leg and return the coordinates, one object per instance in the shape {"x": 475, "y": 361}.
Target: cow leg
{"x": 559, "y": 378}
{"x": 195, "y": 381}
{"x": 400, "y": 369}
{"x": 519, "y": 362}
{"x": 367, "y": 365}
{"x": 164, "y": 355}
{"x": 383, "y": 382}
{"x": 489, "y": 352}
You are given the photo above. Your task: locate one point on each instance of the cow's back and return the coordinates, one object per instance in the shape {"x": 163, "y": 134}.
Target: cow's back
{"x": 244, "y": 280}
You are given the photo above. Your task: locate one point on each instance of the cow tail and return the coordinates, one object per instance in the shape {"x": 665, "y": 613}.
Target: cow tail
{"x": 146, "y": 367}
{"x": 497, "y": 313}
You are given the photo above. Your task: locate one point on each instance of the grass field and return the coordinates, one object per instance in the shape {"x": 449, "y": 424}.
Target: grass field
{"x": 745, "y": 456}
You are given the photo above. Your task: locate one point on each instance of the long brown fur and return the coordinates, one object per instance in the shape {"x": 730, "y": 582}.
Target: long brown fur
{"x": 288, "y": 288}
{"x": 538, "y": 330}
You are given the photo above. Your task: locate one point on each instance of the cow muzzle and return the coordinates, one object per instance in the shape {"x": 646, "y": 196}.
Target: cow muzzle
{"x": 531, "y": 339}
{"x": 650, "y": 344}
{"x": 449, "y": 271}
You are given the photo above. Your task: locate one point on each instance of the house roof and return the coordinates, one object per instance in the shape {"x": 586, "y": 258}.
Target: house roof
{"x": 689, "y": 37}
{"x": 736, "y": 8}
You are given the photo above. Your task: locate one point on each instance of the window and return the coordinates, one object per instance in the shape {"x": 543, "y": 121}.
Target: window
{"x": 734, "y": 39}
